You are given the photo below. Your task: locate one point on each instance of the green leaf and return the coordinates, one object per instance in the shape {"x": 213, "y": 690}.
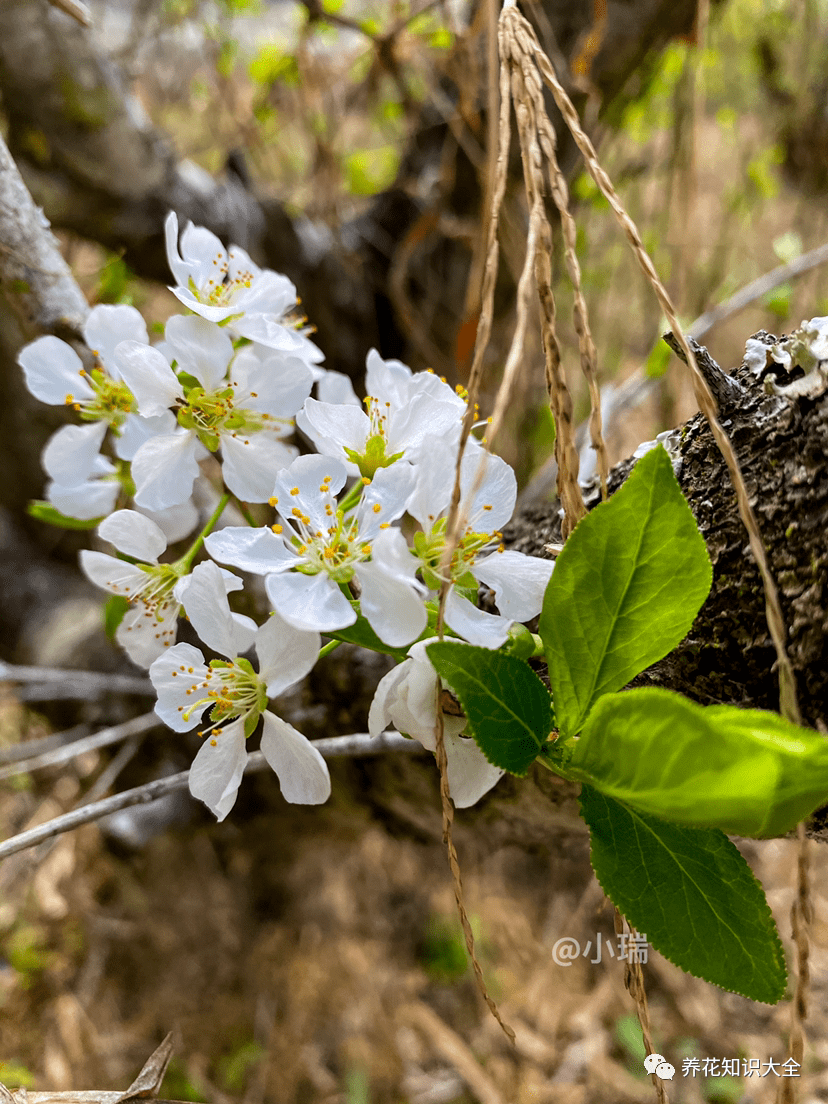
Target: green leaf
{"x": 45, "y": 511}
{"x": 362, "y": 634}
{"x": 745, "y": 771}
{"x": 625, "y": 590}
{"x": 114, "y": 610}
{"x": 691, "y": 893}
{"x": 508, "y": 707}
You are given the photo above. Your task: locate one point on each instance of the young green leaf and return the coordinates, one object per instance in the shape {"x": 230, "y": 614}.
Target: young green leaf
{"x": 691, "y": 893}
{"x": 625, "y": 591}
{"x": 745, "y": 771}
{"x": 508, "y": 707}
{"x": 45, "y": 511}
{"x": 115, "y": 610}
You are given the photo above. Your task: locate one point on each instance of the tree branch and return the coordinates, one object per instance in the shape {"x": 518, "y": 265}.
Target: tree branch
{"x": 354, "y": 745}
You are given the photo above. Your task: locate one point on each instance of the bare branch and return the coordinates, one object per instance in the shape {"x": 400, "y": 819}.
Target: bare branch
{"x": 105, "y": 738}
{"x": 35, "y": 278}
{"x": 357, "y": 744}
{"x": 90, "y": 680}
{"x": 756, "y": 289}
{"x": 76, "y": 9}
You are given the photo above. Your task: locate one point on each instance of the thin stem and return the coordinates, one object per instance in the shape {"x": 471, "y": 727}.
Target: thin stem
{"x": 356, "y": 744}
{"x": 331, "y": 646}
{"x": 186, "y": 561}
{"x": 352, "y": 497}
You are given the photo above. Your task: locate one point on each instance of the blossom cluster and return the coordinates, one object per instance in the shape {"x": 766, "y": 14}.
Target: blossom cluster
{"x": 351, "y": 537}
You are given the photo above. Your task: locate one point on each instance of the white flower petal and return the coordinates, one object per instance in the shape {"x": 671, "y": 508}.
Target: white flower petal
{"x": 148, "y": 376}
{"x": 332, "y": 428}
{"x": 249, "y": 464}
{"x": 269, "y": 382}
{"x": 146, "y": 634}
{"x": 258, "y": 551}
{"x": 134, "y": 534}
{"x": 435, "y": 476}
{"x": 205, "y": 600}
{"x": 301, "y": 770}
{"x": 392, "y": 607}
{"x": 285, "y": 654}
{"x": 379, "y": 715}
{"x": 176, "y": 522}
{"x": 53, "y": 371}
{"x": 205, "y": 310}
{"x": 494, "y": 501}
{"x": 109, "y": 324}
{"x": 470, "y": 774}
{"x": 116, "y": 576}
{"x": 70, "y": 453}
{"x": 164, "y": 470}
{"x": 486, "y": 630}
{"x": 267, "y": 331}
{"x": 336, "y": 387}
{"x": 86, "y": 501}
{"x": 201, "y": 348}
{"x": 310, "y": 602}
{"x": 387, "y": 380}
{"x": 178, "y": 677}
{"x": 385, "y": 498}
{"x": 136, "y": 430}
{"x": 519, "y": 582}
{"x": 217, "y": 769}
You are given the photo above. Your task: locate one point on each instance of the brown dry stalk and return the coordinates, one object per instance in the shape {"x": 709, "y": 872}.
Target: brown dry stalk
{"x": 634, "y": 981}
{"x": 586, "y": 346}
{"x": 448, "y": 819}
{"x": 801, "y": 916}
{"x": 454, "y": 522}
{"x": 528, "y": 103}
{"x": 773, "y": 611}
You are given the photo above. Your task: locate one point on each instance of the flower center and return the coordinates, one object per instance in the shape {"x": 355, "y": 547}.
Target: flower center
{"x": 111, "y": 402}
{"x": 211, "y": 413}
{"x": 222, "y": 289}
{"x": 334, "y": 550}
{"x": 429, "y": 549}
{"x": 233, "y": 690}
{"x": 155, "y": 591}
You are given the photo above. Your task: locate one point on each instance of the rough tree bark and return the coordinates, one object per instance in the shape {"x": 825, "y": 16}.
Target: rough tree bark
{"x": 781, "y": 447}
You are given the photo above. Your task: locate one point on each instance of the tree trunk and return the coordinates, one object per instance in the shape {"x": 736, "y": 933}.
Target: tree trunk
{"x": 728, "y": 655}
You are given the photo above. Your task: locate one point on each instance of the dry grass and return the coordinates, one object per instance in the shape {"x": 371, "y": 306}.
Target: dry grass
{"x": 314, "y": 955}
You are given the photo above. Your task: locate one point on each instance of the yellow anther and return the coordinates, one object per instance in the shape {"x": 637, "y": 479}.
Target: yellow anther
{"x": 277, "y": 529}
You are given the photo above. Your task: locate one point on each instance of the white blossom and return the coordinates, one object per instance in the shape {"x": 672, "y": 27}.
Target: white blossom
{"x": 153, "y": 589}
{"x": 226, "y": 286}
{"x": 407, "y": 698}
{"x": 318, "y": 549}
{"x": 236, "y": 696}
{"x": 486, "y": 503}
{"x": 402, "y": 409}
{"x": 241, "y": 403}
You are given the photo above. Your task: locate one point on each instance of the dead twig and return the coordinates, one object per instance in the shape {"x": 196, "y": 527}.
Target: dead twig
{"x": 356, "y": 744}
{"x": 65, "y": 752}
{"x": 89, "y": 682}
